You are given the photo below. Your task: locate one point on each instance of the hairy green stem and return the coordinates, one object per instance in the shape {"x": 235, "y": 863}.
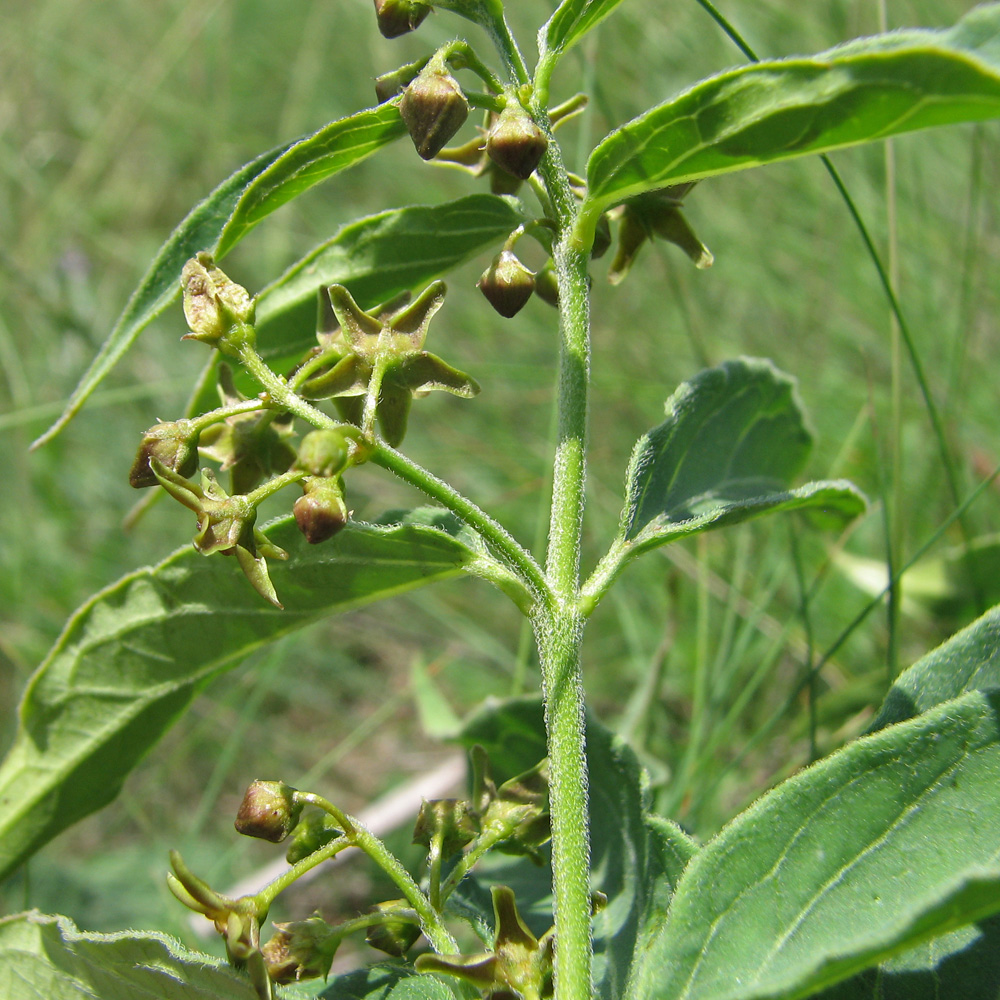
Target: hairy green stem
{"x": 500, "y": 542}
{"x": 274, "y": 888}
{"x": 559, "y": 629}
{"x": 280, "y": 391}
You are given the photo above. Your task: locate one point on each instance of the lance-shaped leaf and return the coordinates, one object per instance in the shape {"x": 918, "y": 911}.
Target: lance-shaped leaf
{"x": 889, "y": 842}
{"x": 570, "y": 21}
{"x": 133, "y": 657}
{"x": 47, "y": 958}
{"x": 219, "y": 222}
{"x": 865, "y": 90}
{"x": 734, "y": 439}
{"x": 968, "y": 661}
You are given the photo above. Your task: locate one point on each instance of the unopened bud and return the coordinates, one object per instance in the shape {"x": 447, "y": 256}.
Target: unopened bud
{"x": 394, "y": 937}
{"x": 397, "y": 17}
{"x": 515, "y": 143}
{"x": 507, "y": 284}
{"x": 547, "y": 285}
{"x": 433, "y": 109}
{"x": 447, "y": 822}
{"x": 389, "y": 85}
{"x": 174, "y": 445}
{"x": 268, "y": 811}
{"x": 323, "y": 453}
{"x": 320, "y": 512}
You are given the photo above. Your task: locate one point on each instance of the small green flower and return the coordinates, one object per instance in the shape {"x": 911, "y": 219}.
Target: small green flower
{"x": 386, "y": 350}
{"x": 656, "y": 214}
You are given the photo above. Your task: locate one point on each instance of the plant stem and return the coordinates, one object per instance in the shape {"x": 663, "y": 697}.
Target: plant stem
{"x": 559, "y": 635}
{"x": 500, "y": 542}
{"x": 559, "y": 630}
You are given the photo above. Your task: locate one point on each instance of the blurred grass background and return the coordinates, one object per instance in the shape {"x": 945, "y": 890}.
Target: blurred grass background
{"x": 116, "y": 118}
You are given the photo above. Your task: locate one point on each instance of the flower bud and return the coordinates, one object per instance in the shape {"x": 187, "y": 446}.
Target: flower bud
{"x": 301, "y": 949}
{"x": 174, "y": 445}
{"x": 515, "y": 143}
{"x": 310, "y": 834}
{"x": 268, "y": 811}
{"x": 320, "y": 512}
{"x": 213, "y": 303}
{"x": 397, "y": 17}
{"x": 547, "y": 285}
{"x": 389, "y": 85}
{"x": 323, "y": 453}
{"x": 448, "y": 822}
{"x": 394, "y": 937}
{"x": 507, "y": 284}
{"x": 433, "y": 109}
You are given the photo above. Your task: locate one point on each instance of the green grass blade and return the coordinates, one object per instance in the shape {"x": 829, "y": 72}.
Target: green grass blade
{"x": 772, "y": 111}
{"x": 135, "y": 655}
{"x": 887, "y": 843}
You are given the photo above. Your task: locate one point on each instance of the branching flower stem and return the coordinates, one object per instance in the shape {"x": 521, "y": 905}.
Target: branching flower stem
{"x": 361, "y": 837}
{"x": 500, "y": 542}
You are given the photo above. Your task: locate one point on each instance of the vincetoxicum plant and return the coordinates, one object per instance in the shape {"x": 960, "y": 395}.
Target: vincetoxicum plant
{"x": 835, "y": 880}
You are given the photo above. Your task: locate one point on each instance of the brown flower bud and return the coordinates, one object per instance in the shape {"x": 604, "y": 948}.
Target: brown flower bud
{"x": 174, "y": 445}
{"x": 507, "y": 284}
{"x": 268, "y": 811}
{"x": 515, "y": 143}
{"x": 433, "y": 109}
{"x": 397, "y": 17}
{"x": 320, "y": 512}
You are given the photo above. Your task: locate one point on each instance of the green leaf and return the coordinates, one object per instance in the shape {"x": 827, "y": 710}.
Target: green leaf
{"x": 865, "y": 90}
{"x": 570, "y": 21}
{"x": 47, "y": 958}
{"x": 636, "y": 858}
{"x": 333, "y": 148}
{"x": 378, "y": 982}
{"x": 134, "y": 656}
{"x": 968, "y": 661}
{"x": 889, "y": 842}
{"x": 964, "y": 965}
{"x": 734, "y": 438}
{"x": 219, "y": 222}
